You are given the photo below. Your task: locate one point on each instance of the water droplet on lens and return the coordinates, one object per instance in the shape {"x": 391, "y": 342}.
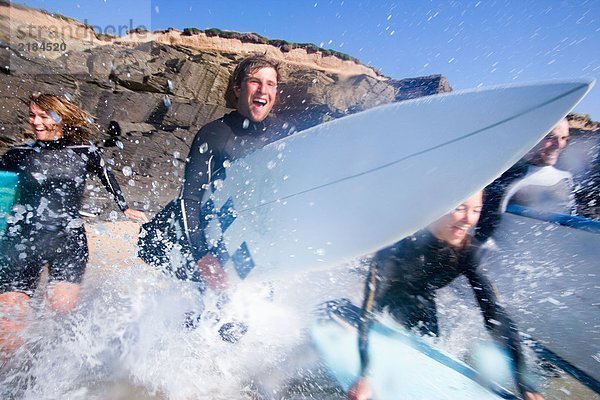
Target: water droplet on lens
{"x": 203, "y": 148}
{"x": 55, "y": 117}
{"x": 166, "y": 101}
{"x": 127, "y": 171}
{"x": 218, "y": 184}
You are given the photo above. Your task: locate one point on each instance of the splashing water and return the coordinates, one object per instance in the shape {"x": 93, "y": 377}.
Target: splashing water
{"x": 129, "y": 330}
{"x": 129, "y": 334}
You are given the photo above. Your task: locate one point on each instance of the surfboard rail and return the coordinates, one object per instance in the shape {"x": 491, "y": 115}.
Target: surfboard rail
{"x": 571, "y": 221}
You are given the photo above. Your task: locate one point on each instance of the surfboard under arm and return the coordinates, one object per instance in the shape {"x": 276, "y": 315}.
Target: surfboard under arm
{"x": 354, "y": 185}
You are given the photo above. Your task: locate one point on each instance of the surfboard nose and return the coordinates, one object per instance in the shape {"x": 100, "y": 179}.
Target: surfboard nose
{"x": 569, "y": 92}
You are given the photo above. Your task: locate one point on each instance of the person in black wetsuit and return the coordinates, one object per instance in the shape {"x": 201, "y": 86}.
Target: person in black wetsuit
{"x": 404, "y": 277}
{"x": 44, "y": 227}
{"x": 252, "y": 91}
{"x": 533, "y": 182}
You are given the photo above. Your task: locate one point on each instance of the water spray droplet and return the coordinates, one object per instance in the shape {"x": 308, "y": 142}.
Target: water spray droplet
{"x": 218, "y": 184}
{"x": 166, "y": 101}
{"x": 55, "y": 117}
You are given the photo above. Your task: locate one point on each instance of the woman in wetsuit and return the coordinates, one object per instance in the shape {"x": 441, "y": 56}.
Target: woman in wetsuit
{"x": 44, "y": 227}
{"x": 403, "y": 279}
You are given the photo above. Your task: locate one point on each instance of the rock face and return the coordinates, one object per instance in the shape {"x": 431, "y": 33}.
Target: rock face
{"x": 150, "y": 97}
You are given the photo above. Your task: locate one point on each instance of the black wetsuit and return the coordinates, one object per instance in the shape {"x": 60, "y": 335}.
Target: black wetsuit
{"x": 559, "y": 194}
{"x": 216, "y": 144}
{"x": 404, "y": 278}
{"x": 45, "y": 226}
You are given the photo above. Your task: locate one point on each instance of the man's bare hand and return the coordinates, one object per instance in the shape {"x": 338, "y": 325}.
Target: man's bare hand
{"x": 212, "y": 272}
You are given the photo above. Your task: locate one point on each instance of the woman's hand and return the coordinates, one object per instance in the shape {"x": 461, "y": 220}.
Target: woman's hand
{"x": 136, "y": 215}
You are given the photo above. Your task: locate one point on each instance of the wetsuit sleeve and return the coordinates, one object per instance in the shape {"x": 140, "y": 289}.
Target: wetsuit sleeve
{"x": 490, "y": 213}
{"x": 502, "y": 329}
{"x": 366, "y": 319}
{"x": 8, "y": 162}
{"x": 376, "y": 285}
{"x": 97, "y": 166}
{"x": 199, "y": 168}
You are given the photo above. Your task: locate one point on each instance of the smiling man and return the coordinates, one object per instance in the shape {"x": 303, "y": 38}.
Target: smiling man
{"x": 533, "y": 182}
{"x": 252, "y": 91}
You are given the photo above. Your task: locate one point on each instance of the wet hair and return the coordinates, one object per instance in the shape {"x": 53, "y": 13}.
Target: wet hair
{"x": 246, "y": 67}
{"x": 75, "y": 121}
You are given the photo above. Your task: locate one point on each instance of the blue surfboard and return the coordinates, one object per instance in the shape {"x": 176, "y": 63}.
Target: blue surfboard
{"x": 402, "y": 365}
{"x": 8, "y": 190}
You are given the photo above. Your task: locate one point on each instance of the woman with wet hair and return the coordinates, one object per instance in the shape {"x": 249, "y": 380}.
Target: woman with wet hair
{"x": 403, "y": 280}
{"x": 44, "y": 227}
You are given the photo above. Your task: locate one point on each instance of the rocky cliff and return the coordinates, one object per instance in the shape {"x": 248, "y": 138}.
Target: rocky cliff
{"x": 150, "y": 92}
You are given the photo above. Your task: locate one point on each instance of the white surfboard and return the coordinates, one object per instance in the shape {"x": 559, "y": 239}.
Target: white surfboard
{"x": 546, "y": 269}
{"x": 354, "y": 185}
{"x": 401, "y": 364}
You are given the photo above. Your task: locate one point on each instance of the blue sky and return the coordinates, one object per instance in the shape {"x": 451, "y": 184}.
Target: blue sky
{"x": 472, "y": 43}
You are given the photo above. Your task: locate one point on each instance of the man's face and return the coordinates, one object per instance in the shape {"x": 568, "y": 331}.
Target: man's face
{"x": 547, "y": 151}
{"x": 257, "y": 93}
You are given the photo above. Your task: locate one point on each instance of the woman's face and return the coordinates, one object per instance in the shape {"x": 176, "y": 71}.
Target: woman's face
{"x": 454, "y": 227}
{"x": 42, "y": 123}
